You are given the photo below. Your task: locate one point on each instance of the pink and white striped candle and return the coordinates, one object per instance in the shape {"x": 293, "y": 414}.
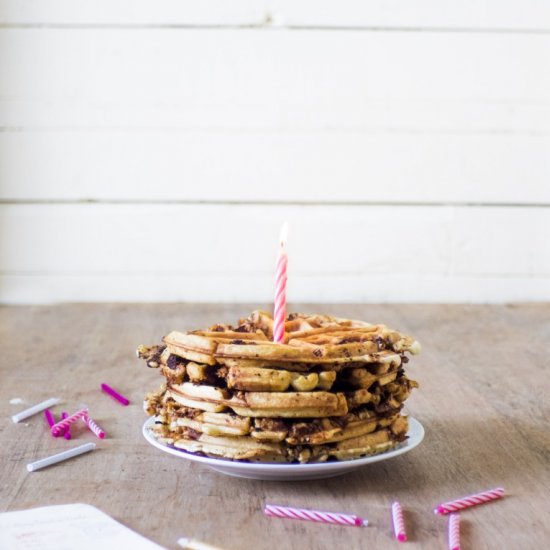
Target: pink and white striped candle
{"x": 59, "y": 428}
{"x": 94, "y": 428}
{"x": 67, "y": 435}
{"x": 471, "y": 500}
{"x": 314, "y": 515}
{"x": 454, "y": 532}
{"x": 398, "y": 522}
{"x": 279, "y": 313}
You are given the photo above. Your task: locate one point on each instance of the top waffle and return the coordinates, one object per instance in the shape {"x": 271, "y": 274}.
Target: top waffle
{"x": 322, "y": 340}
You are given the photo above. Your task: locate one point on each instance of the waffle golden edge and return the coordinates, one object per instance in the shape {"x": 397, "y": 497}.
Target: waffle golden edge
{"x": 333, "y": 390}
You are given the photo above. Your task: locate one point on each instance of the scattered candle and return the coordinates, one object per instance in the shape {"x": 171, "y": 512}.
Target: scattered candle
{"x": 35, "y": 409}
{"x": 59, "y": 428}
{"x": 279, "y": 313}
{"x": 59, "y": 457}
{"x": 191, "y": 544}
{"x": 114, "y": 394}
{"x": 67, "y": 434}
{"x": 314, "y": 515}
{"x": 471, "y": 500}
{"x": 97, "y": 431}
{"x": 50, "y": 419}
{"x": 398, "y": 522}
{"x": 454, "y": 532}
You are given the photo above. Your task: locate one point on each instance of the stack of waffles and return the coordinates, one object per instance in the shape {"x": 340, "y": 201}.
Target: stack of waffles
{"x": 333, "y": 390}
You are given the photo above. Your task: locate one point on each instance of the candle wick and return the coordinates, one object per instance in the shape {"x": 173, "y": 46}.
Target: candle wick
{"x": 283, "y": 234}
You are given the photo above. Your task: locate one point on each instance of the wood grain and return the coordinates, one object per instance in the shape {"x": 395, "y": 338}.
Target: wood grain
{"x": 482, "y": 400}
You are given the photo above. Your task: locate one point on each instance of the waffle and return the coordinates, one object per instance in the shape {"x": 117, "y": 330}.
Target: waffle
{"x": 309, "y": 339}
{"x": 301, "y": 442}
{"x": 245, "y": 448}
{"x": 173, "y": 416}
{"x": 334, "y": 389}
{"x": 265, "y": 379}
{"x": 268, "y": 404}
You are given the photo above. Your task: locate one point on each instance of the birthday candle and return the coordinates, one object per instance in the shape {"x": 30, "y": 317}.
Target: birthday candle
{"x": 190, "y": 544}
{"x": 67, "y": 434}
{"x": 114, "y": 394}
{"x": 398, "y": 522}
{"x": 94, "y": 427}
{"x": 59, "y": 457}
{"x": 454, "y": 532}
{"x": 35, "y": 409}
{"x": 49, "y": 417}
{"x": 279, "y": 314}
{"x": 62, "y": 425}
{"x": 314, "y": 515}
{"x": 471, "y": 500}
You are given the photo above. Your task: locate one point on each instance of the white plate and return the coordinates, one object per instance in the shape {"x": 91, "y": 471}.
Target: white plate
{"x": 289, "y": 472}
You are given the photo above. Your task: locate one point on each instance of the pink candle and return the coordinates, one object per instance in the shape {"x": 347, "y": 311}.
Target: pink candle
{"x": 50, "y": 419}
{"x": 471, "y": 500}
{"x": 67, "y": 435}
{"x": 279, "y": 314}
{"x": 398, "y": 522}
{"x": 60, "y": 428}
{"x": 114, "y": 394}
{"x": 314, "y": 515}
{"x": 94, "y": 427}
{"x": 454, "y": 532}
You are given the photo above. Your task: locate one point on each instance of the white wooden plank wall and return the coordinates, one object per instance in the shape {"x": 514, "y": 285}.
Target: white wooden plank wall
{"x": 152, "y": 153}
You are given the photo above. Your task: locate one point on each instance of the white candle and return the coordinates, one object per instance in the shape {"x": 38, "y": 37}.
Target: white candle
{"x": 59, "y": 457}
{"x": 35, "y": 409}
{"x": 196, "y": 545}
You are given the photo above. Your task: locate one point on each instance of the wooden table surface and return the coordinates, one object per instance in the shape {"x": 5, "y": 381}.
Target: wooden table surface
{"x": 483, "y": 401}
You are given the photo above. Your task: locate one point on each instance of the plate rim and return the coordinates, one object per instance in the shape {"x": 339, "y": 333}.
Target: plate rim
{"x": 414, "y": 425}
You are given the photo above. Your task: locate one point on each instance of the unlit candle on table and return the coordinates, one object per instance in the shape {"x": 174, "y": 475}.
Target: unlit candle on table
{"x": 59, "y": 457}
{"x": 39, "y": 407}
